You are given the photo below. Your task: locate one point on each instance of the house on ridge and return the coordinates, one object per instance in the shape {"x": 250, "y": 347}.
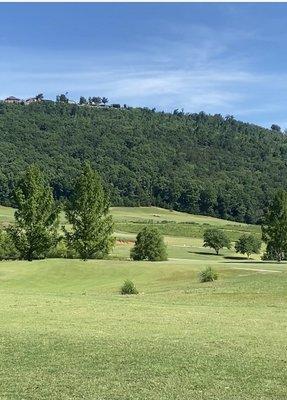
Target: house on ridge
{"x": 31, "y": 100}
{"x": 12, "y": 100}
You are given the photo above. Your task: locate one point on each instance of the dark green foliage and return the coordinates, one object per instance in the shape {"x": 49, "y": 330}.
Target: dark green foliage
{"x": 196, "y": 163}
{"x": 247, "y": 244}
{"x": 82, "y": 100}
{"x": 276, "y": 128}
{"x": 88, "y": 213}
{"x": 62, "y": 98}
{"x": 36, "y": 218}
{"x": 128, "y": 288}
{"x": 208, "y": 275}
{"x": 216, "y": 239}
{"x": 62, "y": 250}
{"x": 149, "y": 245}
{"x": 274, "y": 227}
{"x": 7, "y": 247}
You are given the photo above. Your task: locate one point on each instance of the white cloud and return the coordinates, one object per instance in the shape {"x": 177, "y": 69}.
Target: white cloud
{"x": 201, "y": 71}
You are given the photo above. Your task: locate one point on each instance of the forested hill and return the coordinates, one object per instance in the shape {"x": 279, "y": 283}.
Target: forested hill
{"x": 196, "y": 163}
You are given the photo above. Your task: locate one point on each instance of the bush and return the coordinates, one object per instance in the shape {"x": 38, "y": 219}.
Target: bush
{"x": 62, "y": 250}
{"x": 7, "y": 248}
{"x": 149, "y": 245}
{"x": 208, "y": 275}
{"x": 129, "y": 288}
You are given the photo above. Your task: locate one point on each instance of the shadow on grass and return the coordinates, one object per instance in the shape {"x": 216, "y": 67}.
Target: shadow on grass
{"x": 237, "y": 258}
{"x": 203, "y": 253}
{"x": 250, "y": 261}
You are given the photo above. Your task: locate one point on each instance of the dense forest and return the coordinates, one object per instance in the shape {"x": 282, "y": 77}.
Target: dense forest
{"x": 197, "y": 163}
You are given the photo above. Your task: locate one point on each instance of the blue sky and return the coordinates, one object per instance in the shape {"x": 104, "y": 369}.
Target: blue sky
{"x": 227, "y": 58}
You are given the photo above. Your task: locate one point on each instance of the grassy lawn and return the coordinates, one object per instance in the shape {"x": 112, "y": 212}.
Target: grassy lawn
{"x": 67, "y": 333}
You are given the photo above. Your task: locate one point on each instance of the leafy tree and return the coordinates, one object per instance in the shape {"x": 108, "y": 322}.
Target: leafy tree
{"x": 105, "y": 100}
{"x": 39, "y": 97}
{"x": 88, "y": 213}
{"x": 216, "y": 239}
{"x": 82, "y": 100}
{"x": 276, "y": 128}
{"x": 95, "y": 100}
{"x": 274, "y": 227}
{"x": 247, "y": 244}
{"x": 149, "y": 245}
{"x": 36, "y": 217}
{"x": 62, "y": 98}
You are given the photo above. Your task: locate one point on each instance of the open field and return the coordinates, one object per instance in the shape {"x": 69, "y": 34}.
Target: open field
{"x": 66, "y": 333}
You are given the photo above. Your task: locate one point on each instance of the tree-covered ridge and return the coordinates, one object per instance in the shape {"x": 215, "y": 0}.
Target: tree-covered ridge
{"x": 196, "y": 163}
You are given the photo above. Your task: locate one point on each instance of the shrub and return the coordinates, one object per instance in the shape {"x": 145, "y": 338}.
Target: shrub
{"x": 149, "y": 245}
{"x": 129, "y": 288}
{"x": 7, "y": 248}
{"x": 62, "y": 250}
{"x": 208, "y": 275}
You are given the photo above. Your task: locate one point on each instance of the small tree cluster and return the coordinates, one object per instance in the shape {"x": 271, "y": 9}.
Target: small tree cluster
{"x": 35, "y": 231}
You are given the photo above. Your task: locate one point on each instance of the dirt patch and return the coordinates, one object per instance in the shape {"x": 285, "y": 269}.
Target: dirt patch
{"x": 123, "y": 241}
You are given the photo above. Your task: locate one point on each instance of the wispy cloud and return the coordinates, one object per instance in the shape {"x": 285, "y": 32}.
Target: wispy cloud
{"x": 197, "y": 70}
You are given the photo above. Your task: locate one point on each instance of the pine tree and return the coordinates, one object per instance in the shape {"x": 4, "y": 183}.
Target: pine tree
{"x": 88, "y": 213}
{"x": 36, "y": 217}
{"x": 274, "y": 227}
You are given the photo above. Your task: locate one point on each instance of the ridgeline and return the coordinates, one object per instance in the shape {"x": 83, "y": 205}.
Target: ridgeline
{"x": 196, "y": 163}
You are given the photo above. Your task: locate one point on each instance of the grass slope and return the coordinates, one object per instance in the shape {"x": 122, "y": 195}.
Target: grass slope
{"x": 67, "y": 333}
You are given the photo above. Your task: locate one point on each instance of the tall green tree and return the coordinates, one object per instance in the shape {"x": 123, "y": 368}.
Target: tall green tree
{"x": 82, "y": 100}
{"x": 216, "y": 239}
{"x": 88, "y": 213}
{"x": 39, "y": 97}
{"x": 247, "y": 244}
{"x": 274, "y": 227}
{"x": 36, "y": 217}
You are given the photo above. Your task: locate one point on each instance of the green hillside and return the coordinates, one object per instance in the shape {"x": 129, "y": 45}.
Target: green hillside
{"x": 130, "y": 220}
{"x": 196, "y": 163}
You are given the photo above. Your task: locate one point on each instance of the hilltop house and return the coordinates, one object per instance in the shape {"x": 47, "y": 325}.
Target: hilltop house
{"x": 31, "y": 100}
{"x": 12, "y": 100}
{"x": 15, "y": 100}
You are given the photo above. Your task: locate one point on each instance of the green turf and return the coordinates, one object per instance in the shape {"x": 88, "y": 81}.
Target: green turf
{"x": 67, "y": 333}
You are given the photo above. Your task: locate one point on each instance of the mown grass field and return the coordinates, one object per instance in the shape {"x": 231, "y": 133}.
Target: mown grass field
{"x": 67, "y": 333}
